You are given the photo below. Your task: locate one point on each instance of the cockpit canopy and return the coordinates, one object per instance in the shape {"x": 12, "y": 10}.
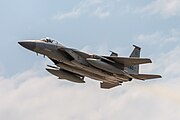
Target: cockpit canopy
{"x": 49, "y": 40}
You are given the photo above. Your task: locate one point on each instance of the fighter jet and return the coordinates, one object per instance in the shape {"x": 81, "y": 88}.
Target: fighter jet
{"x": 74, "y": 65}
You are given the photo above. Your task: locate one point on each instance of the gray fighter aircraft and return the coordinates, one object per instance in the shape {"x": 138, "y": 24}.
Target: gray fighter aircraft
{"x": 74, "y": 65}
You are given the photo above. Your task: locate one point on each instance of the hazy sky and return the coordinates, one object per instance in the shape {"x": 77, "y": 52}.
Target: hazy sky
{"x": 27, "y": 91}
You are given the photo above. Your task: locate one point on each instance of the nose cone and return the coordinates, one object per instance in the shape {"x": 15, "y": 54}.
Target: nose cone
{"x": 28, "y": 45}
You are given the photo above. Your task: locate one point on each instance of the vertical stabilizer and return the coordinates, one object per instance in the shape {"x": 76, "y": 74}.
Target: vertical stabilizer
{"x": 135, "y": 53}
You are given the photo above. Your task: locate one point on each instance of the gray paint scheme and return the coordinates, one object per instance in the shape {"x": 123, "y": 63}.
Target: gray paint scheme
{"x": 74, "y": 65}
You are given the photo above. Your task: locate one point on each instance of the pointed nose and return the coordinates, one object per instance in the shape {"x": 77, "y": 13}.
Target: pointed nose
{"x": 28, "y": 45}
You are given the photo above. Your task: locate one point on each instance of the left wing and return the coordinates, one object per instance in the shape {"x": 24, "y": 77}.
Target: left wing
{"x": 106, "y": 85}
{"x": 129, "y": 61}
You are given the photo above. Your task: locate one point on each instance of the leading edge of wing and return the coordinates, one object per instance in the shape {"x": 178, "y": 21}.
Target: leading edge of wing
{"x": 129, "y": 61}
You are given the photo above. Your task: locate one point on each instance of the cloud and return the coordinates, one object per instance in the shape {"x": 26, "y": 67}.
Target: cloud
{"x": 105, "y": 8}
{"x": 159, "y": 38}
{"x": 74, "y": 13}
{"x": 93, "y": 8}
{"x": 101, "y": 13}
{"x": 166, "y": 8}
{"x": 44, "y": 97}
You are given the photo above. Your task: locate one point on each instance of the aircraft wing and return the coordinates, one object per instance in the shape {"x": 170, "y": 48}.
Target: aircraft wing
{"x": 144, "y": 76}
{"x": 129, "y": 61}
{"x": 106, "y": 85}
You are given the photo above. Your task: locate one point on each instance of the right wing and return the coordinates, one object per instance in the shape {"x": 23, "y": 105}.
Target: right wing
{"x": 144, "y": 76}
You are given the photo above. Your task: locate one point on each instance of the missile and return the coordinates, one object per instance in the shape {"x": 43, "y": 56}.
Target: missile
{"x": 104, "y": 66}
{"x": 62, "y": 74}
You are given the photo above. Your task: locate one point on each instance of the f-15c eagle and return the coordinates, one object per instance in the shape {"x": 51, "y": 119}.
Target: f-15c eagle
{"x": 74, "y": 65}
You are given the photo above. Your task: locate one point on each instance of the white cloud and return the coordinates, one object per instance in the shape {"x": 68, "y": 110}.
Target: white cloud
{"x": 73, "y": 14}
{"x": 166, "y": 8}
{"x": 97, "y": 8}
{"x": 99, "y": 12}
{"x": 36, "y": 97}
{"x": 159, "y": 38}
{"x": 105, "y": 8}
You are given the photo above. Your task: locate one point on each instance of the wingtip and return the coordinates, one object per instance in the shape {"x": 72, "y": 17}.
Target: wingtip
{"x": 150, "y": 61}
{"x": 160, "y": 76}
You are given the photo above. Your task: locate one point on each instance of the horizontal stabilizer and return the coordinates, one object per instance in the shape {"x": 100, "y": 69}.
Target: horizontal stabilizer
{"x": 144, "y": 76}
{"x": 108, "y": 85}
{"x": 129, "y": 61}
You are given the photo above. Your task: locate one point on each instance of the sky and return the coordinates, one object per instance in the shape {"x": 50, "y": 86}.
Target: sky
{"x": 28, "y": 92}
